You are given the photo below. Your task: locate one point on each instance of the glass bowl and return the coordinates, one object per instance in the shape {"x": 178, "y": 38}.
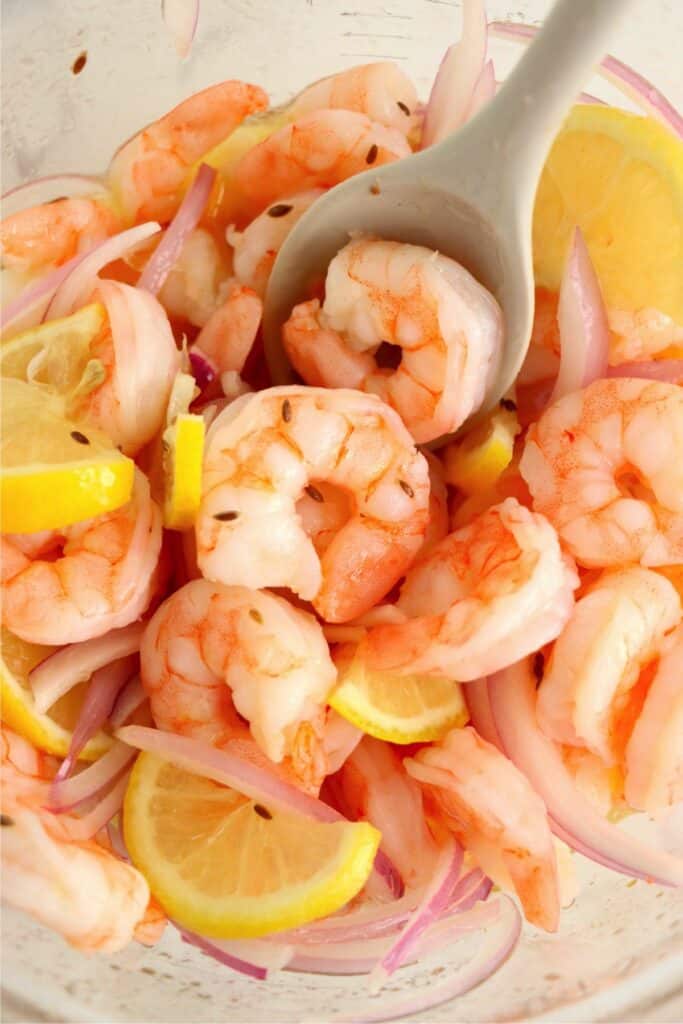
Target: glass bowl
{"x": 618, "y": 954}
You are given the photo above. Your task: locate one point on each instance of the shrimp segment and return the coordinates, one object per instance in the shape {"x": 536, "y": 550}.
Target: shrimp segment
{"x": 491, "y": 592}
{"x": 198, "y": 281}
{"x": 603, "y": 464}
{"x": 319, "y": 150}
{"x": 494, "y": 812}
{"x": 654, "y": 755}
{"x": 212, "y": 650}
{"x": 52, "y": 233}
{"x": 256, "y": 248}
{"x": 381, "y": 91}
{"x": 103, "y": 578}
{"x": 615, "y": 630}
{"x": 265, "y": 450}
{"x": 448, "y": 327}
{"x": 148, "y": 172}
{"x": 75, "y": 887}
{"x": 228, "y": 335}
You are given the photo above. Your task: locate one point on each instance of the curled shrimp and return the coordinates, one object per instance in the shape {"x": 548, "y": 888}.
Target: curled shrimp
{"x": 148, "y": 172}
{"x": 615, "y": 631}
{"x": 96, "y": 576}
{"x": 654, "y": 754}
{"x": 48, "y": 235}
{"x": 645, "y": 334}
{"x": 494, "y": 812}
{"x": 229, "y": 333}
{"x": 381, "y": 91}
{"x": 256, "y": 248}
{"x": 603, "y": 464}
{"x": 318, "y": 150}
{"x": 493, "y": 591}
{"x": 211, "y": 651}
{"x": 198, "y": 281}
{"x": 265, "y": 451}
{"x": 74, "y": 886}
{"x": 448, "y": 327}
{"x": 374, "y": 786}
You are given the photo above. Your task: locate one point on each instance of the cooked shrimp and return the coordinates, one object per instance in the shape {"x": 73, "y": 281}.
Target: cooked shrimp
{"x": 614, "y": 631}
{"x": 75, "y": 887}
{"x": 645, "y": 334}
{"x": 448, "y": 327}
{"x": 198, "y": 281}
{"x": 264, "y": 450}
{"x": 381, "y": 91}
{"x": 601, "y": 784}
{"x": 437, "y": 528}
{"x": 149, "y": 171}
{"x": 494, "y": 812}
{"x": 318, "y": 150}
{"x": 152, "y": 926}
{"x": 103, "y": 577}
{"x": 604, "y": 465}
{"x": 256, "y": 248}
{"x": 484, "y": 597}
{"x": 212, "y": 650}
{"x": 130, "y": 369}
{"x": 229, "y": 333}
{"x": 374, "y": 786}
{"x": 48, "y": 235}
{"x": 654, "y": 755}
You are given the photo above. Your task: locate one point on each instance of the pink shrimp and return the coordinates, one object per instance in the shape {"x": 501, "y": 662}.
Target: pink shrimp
{"x": 448, "y": 327}
{"x": 227, "y": 337}
{"x": 76, "y": 887}
{"x": 46, "y": 236}
{"x": 101, "y": 576}
{"x": 492, "y": 809}
{"x": 148, "y": 172}
{"x": 381, "y": 91}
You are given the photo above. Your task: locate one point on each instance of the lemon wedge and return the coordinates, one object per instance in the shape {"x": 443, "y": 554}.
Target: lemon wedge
{"x": 475, "y": 463}
{"x": 55, "y": 353}
{"x": 51, "y": 731}
{"x": 183, "y": 448}
{"x": 54, "y": 471}
{"x": 397, "y": 708}
{"x": 228, "y": 867}
{"x": 619, "y": 177}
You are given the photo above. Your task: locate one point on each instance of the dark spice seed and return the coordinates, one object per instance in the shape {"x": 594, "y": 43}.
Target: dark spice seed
{"x": 5, "y": 820}
{"x": 280, "y": 210}
{"x": 375, "y": 189}
{"x": 286, "y": 410}
{"x": 403, "y": 107}
{"x": 508, "y": 404}
{"x": 405, "y": 486}
{"x": 79, "y": 63}
{"x": 314, "y": 493}
{"x": 78, "y": 436}
{"x": 372, "y": 154}
{"x": 226, "y": 517}
{"x": 263, "y": 812}
{"x": 256, "y": 615}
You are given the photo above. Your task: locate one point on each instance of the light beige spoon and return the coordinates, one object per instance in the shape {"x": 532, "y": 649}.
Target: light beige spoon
{"x": 471, "y": 196}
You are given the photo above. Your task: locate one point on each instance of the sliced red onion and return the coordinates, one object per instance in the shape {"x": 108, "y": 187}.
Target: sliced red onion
{"x": 130, "y": 698}
{"x": 209, "y": 947}
{"x": 76, "y": 289}
{"x": 460, "y": 69}
{"x": 582, "y": 320}
{"x": 484, "y": 89}
{"x": 477, "y": 699}
{"x": 66, "y": 794}
{"x": 46, "y": 190}
{"x": 28, "y": 309}
{"x": 203, "y": 370}
{"x": 628, "y": 81}
{"x": 100, "y": 816}
{"x": 358, "y": 924}
{"x": 116, "y": 840}
{"x": 166, "y": 254}
{"x": 436, "y": 898}
{"x": 255, "y": 782}
{"x": 180, "y": 18}
{"x": 103, "y": 690}
{"x": 512, "y": 693}
{"x": 68, "y": 666}
{"x": 269, "y": 955}
{"x": 472, "y": 888}
{"x": 670, "y": 370}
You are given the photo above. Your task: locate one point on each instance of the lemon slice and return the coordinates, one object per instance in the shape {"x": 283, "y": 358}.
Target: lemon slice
{"x": 183, "y": 449}
{"x": 619, "y": 177}
{"x": 55, "y": 353}
{"x": 475, "y": 463}
{"x": 50, "y": 732}
{"x": 227, "y": 867}
{"x": 397, "y": 708}
{"x": 54, "y": 472}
